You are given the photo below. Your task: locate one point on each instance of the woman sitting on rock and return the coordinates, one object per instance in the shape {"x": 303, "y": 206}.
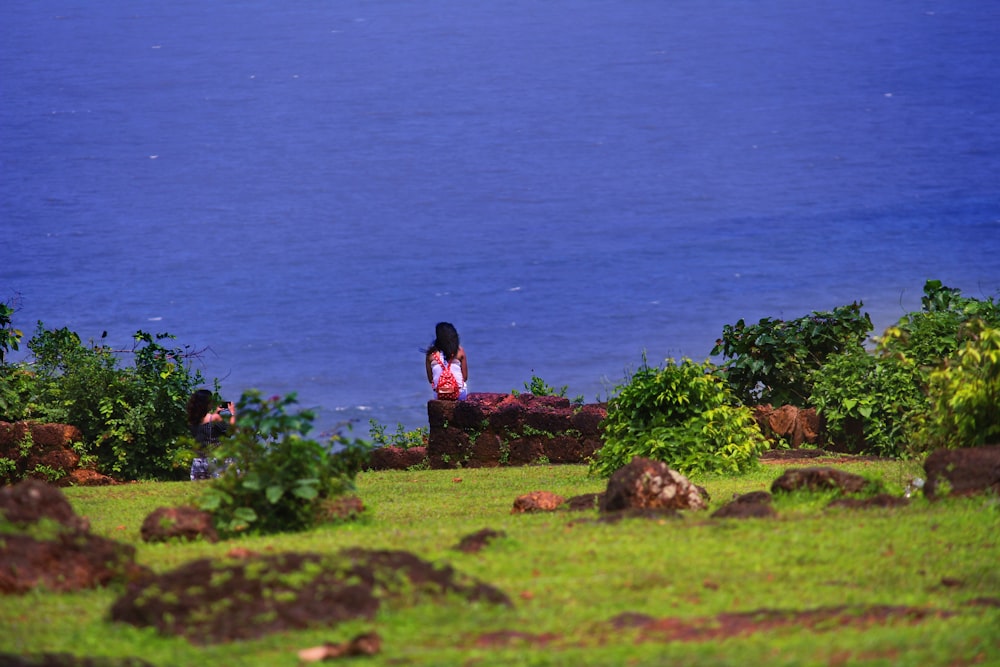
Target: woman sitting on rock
{"x": 446, "y": 364}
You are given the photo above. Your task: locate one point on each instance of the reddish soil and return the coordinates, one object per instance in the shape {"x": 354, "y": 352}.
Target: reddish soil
{"x": 479, "y": 540}
{"x": 783, "y": 456}
{"x": 725, "y": 626}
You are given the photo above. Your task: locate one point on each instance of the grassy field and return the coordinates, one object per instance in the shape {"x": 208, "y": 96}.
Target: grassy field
{"x": 914, "y": 585}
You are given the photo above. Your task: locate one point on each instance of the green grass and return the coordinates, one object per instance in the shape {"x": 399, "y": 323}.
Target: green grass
{"x": 568, "y": 576}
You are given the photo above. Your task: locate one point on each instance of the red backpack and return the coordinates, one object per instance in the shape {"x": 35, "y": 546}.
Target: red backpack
{"x": 447, "y": 386}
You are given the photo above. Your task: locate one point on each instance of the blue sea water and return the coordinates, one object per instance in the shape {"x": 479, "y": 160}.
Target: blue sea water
{"x": 303, "y": 190}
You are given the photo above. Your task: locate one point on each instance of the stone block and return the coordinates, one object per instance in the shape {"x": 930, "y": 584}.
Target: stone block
{"x": 489, "y": 429}
{"x": 524, "y": 451}
{"x": 963, "y": 472}
{"x": 564, "y": 449}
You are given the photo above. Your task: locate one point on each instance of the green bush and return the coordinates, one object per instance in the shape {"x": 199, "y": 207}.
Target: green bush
{"x": 772, "y": 361}
{"x": 876, "y": 398}
{"x": 401, "y": 438}
{"x": 913, "y": 393}
{"x": 929, "y": 336}
{"x": 18, "y": 394}
{"x": 681, "y": 414}
{"x": 539, "y": 387}
{"x": 276, "y": 479}
{"x": 965, "y": 394}
{"x": 132, "y": 418}
{"x": 10, "y": 337}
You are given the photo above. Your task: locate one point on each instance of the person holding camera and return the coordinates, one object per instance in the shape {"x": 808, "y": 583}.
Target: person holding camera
{"x": 207, "y": 421}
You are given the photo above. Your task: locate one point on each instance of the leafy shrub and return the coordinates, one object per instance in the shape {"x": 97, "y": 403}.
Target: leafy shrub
{"x": 18, "y": 394}
{"x": 539, "y": 387}
{"x": 772, "y": 361}
{"x": 681, "y": 414}
{"x": 896, "y": 398}
{"x": 965, "y": 393}
{"x": 876, "y": 398}
{"x": 401, "y": 438}
{"x": 10, "y": 337}
{"x": 929, "y": 336}
{"x": 276, "y": 479}
{"x": 132, "y": 418}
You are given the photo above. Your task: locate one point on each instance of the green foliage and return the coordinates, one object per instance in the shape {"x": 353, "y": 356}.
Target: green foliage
{"x": 869, "y": 403}
{"x": 772, "y": 361}
{"x": 681, "y": 414}
{"x": 17, "y": 393}
{"x": 931, "y": 335}
{"x": 914, "y": 393}
{"x": 10, "y": 337}
{"x": 276, "y": 477}
{"x": 965, "y": 393}
{"x": 12, "y": 470}
{"x": 539, "y": 387}
{"x": 131, "y": 417}
{"x": 401, "y": 438}
{"x": 47, "y": 473}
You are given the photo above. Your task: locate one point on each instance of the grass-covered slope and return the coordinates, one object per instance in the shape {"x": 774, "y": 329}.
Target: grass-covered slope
{"x": 913, "y": 585}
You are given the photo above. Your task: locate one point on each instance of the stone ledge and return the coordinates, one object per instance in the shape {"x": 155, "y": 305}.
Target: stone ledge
{"x": 489, "y": 430}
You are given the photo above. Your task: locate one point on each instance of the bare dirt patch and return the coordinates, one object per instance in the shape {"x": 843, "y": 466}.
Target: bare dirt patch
{"x": 783, "y": 456}
{"x": 730, "y": 625}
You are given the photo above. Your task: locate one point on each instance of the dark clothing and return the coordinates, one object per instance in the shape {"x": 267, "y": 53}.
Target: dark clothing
{"x": 207, "y": 436}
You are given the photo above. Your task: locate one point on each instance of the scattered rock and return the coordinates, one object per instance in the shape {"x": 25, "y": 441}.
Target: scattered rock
{"x": 477, "y": 541}
{"x": 754, "y": 498}
{"x": 537, "y": 501}
{"x": 584, "y": 502}
{"x": 790, "y": 424}
{"x": 69, "y": 558}
{"x": 962, "y": 472}
{"x": 753, "y": 505}
{"x": 210, "y": 601}
{"x": 647, "y": 484}
{"x": 819, "y": 478}
{"x": 32, "y": 500}
{"x": 185, "y": 523}
{"x": 70, "y": 562}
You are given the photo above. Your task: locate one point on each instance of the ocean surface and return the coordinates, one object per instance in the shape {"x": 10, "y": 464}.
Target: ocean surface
{"x": 301, "y": 190}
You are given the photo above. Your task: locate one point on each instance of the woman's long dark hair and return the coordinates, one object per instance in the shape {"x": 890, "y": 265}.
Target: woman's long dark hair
{"x": 445, "y": 340}
{"x": 198, "y": 406}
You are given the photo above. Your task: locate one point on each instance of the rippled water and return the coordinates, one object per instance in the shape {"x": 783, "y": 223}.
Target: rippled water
{"x": 305, "y": 189}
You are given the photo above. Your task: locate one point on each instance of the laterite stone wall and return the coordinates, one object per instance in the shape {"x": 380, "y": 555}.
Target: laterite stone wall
{"x": 487, "y": 430}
